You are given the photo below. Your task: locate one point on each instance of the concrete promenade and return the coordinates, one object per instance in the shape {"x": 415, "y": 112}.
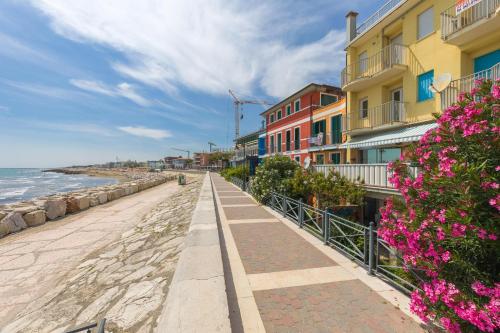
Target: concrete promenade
{"x": 283, "y": 279}
{"x": 113, "y": 261}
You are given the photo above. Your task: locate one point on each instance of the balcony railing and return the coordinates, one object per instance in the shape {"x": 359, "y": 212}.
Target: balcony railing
{"x": 466, "y": 83}
{"x": 324, "y": 139}
{"x": 240, "y": 153}
{"x": 372, "y": 175}
{"x": 386, "y": 114}
{"x": 377, "y": 16}
{"x": 451, "y": 22}
{"x": 386, "y": 58}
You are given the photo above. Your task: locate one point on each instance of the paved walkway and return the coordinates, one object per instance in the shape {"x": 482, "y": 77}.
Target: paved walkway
{"x": 285, "y": 280}
{"x": 114, "y": 261}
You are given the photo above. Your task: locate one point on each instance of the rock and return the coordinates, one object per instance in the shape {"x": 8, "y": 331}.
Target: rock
{"x": 77, "y": 203}
{"x": 25, "y": 208}
{"x": 93, "y": 200}
{"x": 34, "y": 218}
{"x": 2, "y": 215}
{"x": 54, "y": 208}
{"x": 102, "y": 197}
{"x": 14, "y": 222}
{"x": 114, "y": 194}
{"x": 4, "y": 230}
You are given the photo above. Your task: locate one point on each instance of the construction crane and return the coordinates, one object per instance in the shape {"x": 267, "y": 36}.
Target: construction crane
{"x": 211, "y": 144}
{"x": 183, "y": 150}
{"x": 237, "y": 113}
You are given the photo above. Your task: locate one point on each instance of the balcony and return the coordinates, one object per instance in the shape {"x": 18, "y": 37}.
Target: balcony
{"x": 391, "y": 61}
{"x": 465, "y": 84}
{"x": 250, "y": 150}
{"x": 324, "y": 141}
{"x": 390, "y": 114}
{"x": 470, "y": 24}
{"x": 388, "y": 7}
{"x": 371, "y": 175}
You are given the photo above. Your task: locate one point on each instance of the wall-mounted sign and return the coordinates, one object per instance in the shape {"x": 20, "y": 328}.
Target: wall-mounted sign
{"x": 463, "y": 5}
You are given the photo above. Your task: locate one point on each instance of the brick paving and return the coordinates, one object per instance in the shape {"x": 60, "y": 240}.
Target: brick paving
{"x": 236, "y": 200}
{"x": 273, "y": 247}
{"x": 267, "y": 248}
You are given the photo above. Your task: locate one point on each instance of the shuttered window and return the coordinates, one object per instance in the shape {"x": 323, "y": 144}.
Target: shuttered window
{"x": 424, "y": 82}
{"x": 337, "y": 129}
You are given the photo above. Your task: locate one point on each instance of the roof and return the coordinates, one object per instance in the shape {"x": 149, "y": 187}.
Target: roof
{"x": 250, "y": 136}
{"x": 299, "y": 93}
{"x": 400, "y": 135}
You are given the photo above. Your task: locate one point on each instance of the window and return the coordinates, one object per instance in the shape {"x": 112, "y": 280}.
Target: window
{"x": 288, "y": 140}
{"x": 363, "y": 108}
{"x": 320, "y": 159}
{"x": 288, "y": 110}
{"x": 337, "y": 129}
{"x": 271, "y": 144}
{"x": 425, "y": 23}
{"x": 297, "y": 159}
{"x": 319, "y": 127}
{"x": 335, "y": 158}
{"x": 328, "y": 99}
{"x": 424, "y": 83}
{"x": 296, "y": 139}
{"x": 278, "y": 142}
{"x": 271, "y": 118}
{"x": 380, "y": 155}
{"x": 296, "y": 106}
{"x": 279, "y": 114}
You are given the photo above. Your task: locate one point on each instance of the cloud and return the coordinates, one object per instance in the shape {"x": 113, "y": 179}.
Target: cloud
{"x": 42, "y": 90}
{"x": 146, "y": 132}
{"x": 123, "y": 90}
{"x": 206, "y": 46}
{"x": 84, "y": 128}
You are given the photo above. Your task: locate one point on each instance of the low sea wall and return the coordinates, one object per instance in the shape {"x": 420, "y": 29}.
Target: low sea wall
{"x": 21, "y": 215}
{"x": 197, "y": 299}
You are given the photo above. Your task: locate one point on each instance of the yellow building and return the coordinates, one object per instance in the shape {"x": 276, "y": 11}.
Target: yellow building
{"x": 397, "y": 54}
{"x": 327, "y": 134}
{"x": 407, "y": 61}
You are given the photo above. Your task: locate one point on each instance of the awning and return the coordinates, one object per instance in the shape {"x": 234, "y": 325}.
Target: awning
{"x": 400, "y": 135}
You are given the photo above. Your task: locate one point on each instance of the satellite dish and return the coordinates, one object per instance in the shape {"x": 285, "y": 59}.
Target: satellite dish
{"x": 307, "y": 162}
{"x": 440, "y": 83}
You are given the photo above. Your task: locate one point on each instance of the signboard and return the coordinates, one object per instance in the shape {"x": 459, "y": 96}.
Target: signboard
{"x": 463, "y": 5}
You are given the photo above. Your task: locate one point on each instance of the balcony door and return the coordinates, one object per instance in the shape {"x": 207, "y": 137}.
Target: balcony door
{"x": 396, "y": 50}
{"x": 397, "y": 104}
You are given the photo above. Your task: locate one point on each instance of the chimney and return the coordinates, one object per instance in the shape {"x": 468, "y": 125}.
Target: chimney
{"x": 351, "y": 25}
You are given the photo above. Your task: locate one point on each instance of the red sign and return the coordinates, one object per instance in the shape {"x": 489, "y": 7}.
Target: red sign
{"x": 463, "y": 5}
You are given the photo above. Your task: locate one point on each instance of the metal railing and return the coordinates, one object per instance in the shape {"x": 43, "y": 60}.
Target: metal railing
{"x": 377, "y": 16}
{"x": 392, "y": 112}
{"x": 389, "y": 56}
{"x": 451, "y": 22}
{"x": 372, "y": 175}
{"x": 88, "y": 327}
{"x": 252, "y": 150}
{"x": 356, "y": 241}
{"x": 466, "y": 83}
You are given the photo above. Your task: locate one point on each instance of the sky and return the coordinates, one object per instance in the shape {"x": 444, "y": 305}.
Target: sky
{"x": 91, "y": 81}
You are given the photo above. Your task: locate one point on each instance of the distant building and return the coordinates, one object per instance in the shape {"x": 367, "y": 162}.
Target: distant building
{"x": 169, "y": 161}
{"x": 247, "y": 150}
{"x": 201, "y": 159}
{"x": 181, "y": 163}
{"x": 289, "y": 123}
{"x": 160, "y": 164}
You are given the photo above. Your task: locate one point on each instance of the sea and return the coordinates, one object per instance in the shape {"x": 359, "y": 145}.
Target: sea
{"x": 25, "y": 184}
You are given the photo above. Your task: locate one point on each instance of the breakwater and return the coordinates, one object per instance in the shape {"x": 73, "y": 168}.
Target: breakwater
{"x": 21, "y": 215}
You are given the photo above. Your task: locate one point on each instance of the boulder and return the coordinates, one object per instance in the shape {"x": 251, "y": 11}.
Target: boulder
{"x": 25, "y": 208}
{"x": 134, "y": 188}
{"x": 93, "y": 200}
{"x": 4, "y": 230}
{"x": 77, "y": 203}
{"x": 102, "y": 197}
{"x": 14, "y": 222}
{"x": 34, "y": 218}
{"x": 2, "y": 215}
{"x": 54, "y": 208}
{"x": 114, "y": 194}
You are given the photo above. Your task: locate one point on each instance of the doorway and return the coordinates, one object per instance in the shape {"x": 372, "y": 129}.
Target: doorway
{"x": 396, "y": 113}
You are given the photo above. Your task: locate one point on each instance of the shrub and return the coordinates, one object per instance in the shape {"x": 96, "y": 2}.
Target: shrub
{"x": 240, "y": 172}
{"x": 448, "y": 223}
{"x": 271, "y": 176}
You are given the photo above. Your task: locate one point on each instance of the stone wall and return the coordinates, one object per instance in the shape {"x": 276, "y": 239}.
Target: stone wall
{"x": 21, "y": 215}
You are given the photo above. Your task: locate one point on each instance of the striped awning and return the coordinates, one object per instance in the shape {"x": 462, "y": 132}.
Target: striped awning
{"x": 400, "y": 135}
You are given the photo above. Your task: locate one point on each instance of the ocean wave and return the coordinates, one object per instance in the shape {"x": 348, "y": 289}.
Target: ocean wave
{"x": 15, "y": 193}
